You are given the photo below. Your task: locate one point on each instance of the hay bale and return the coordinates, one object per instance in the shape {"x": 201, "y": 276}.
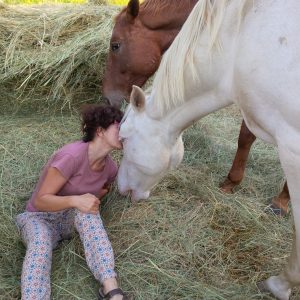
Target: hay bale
{"x": 53, "y": 52}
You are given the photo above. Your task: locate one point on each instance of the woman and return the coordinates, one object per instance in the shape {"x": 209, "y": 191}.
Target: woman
{"x": 67, "y": 196}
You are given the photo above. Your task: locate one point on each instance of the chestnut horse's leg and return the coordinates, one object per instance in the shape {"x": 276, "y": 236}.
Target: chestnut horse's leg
{"x": 280, "y": 203}
{"x": 246, "y": 138}
{"x": 236, "y": 174}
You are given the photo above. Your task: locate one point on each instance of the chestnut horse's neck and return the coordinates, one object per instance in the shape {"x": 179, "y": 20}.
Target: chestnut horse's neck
{"x": 165, "y": 14}
{"x": 166, "y": 17}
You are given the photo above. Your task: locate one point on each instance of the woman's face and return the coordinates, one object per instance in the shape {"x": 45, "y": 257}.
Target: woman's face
{"x": 111, "y": 136}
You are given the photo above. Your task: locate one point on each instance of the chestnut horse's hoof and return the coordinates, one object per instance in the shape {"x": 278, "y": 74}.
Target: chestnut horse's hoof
{"x": 227, "y": 186}
{"x": 278, "y": 211}
{"x": 266, "y": 287}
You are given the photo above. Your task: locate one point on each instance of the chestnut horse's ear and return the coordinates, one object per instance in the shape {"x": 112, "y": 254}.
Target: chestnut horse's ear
{"x": 132, "y": 9}
{"x": 137, "y": 98}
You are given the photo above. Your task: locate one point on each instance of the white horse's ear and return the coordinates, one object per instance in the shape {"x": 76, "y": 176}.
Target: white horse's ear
{"x": 132, "y": 9}
{"x": 137, "y": 98}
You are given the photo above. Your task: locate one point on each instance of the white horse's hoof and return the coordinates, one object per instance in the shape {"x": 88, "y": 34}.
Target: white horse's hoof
{"x": 268, "y": 286}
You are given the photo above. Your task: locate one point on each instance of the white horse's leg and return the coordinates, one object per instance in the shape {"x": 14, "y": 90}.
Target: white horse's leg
{"x": 280, "y": 286}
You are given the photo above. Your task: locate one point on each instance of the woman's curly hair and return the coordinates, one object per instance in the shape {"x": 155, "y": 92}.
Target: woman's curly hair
{"x": 94, "y": 116}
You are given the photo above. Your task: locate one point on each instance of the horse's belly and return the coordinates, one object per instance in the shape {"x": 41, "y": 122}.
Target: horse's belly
{"x": 268, "y": 69}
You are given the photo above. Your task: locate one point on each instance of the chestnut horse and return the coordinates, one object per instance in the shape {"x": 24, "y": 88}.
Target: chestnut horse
{"x": 142, "y": 33}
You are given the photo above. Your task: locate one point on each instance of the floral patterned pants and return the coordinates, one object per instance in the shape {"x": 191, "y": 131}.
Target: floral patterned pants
{"x": 41, "y": 232}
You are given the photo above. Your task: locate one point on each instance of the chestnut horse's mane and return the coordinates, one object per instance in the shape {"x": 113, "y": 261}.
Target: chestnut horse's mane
{"x": 154, "y": 6}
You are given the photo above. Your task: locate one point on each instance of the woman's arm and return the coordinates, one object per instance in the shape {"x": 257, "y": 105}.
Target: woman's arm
{"x": 47, "y": 200}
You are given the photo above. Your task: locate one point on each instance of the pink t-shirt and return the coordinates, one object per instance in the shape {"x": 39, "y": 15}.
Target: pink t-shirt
{"x": 73, "y": 163}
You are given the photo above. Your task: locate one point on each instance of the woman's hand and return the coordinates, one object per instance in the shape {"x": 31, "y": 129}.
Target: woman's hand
{"x": 86, "y": 203}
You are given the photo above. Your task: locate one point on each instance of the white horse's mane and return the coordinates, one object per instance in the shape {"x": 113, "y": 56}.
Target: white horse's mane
{"x": 169, "y": 80}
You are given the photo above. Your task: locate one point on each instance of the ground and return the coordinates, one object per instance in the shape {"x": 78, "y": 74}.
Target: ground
{"x": 188, "y": 241}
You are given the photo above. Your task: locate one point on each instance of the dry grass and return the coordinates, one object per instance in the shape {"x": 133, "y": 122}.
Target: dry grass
{"x": 53, "y": 56}
{"x": 189, "y": 241}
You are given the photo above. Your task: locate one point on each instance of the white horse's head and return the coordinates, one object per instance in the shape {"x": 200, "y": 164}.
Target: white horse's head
{"x": 151, "y": 149}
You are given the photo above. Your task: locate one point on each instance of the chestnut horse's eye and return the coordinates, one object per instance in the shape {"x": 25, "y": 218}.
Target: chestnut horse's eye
{"x": 115, "y": 46}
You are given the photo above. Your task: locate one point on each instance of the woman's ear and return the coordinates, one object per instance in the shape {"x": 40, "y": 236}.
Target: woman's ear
{"x": 99, "y": 131}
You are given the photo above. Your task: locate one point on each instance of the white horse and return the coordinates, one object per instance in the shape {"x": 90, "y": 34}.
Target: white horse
{"x": 242, "y": 51}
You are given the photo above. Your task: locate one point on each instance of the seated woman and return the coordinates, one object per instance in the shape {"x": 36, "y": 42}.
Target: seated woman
{"x": 67, "y": 196}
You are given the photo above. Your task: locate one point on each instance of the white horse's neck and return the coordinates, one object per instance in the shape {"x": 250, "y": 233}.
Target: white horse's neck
{"x": 213, "y": 88}
{"x": 198, "y": 107}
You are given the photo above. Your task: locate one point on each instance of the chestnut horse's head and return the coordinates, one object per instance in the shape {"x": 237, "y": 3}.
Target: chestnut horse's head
{"x": 140, "y": 36}
{"x": 133, "y": 57}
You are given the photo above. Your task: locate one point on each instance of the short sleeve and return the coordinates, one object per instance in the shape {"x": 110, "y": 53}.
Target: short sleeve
{"x": 113, "y": 171}
{"x": 64, "y": 163}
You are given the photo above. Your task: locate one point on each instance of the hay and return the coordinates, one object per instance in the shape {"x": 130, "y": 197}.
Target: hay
{"x": 55, "y": 53}
{"x": 188, "y": 241}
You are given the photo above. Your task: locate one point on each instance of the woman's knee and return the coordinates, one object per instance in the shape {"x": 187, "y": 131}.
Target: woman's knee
{"x": 38, "y": 236}
{"x": 40, "y": 246}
